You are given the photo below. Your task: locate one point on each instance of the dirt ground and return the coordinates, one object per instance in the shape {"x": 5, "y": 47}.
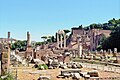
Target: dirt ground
{"x": 25, "y": 73}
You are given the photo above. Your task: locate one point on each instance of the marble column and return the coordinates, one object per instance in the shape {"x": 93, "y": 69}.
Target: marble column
{"x": 61, "y": 41}
{"x": 64, "y": 41}
{"x": 80, "y": 50}
{"x": 57, "y": 40}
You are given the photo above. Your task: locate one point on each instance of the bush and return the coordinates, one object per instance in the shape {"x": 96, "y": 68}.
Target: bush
{"x": 42, "y": 66}
{"x": 9, "y": 77}
{"x": 45, "y": 66}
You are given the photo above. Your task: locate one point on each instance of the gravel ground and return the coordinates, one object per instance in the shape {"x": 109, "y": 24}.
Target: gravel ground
{"x": 29, "y": 73}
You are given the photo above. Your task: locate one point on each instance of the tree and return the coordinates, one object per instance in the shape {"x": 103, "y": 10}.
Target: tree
{"x": 49, "y": 39}
{"x": 99, "y": 47}
{"x": 80, "y": 27}
{"x": 113, "y": 21}
{"x": 66, "y": 31}
{"x": 44, "y": 38}
{"x": 105, "y": 26}
{"x": 21, "y": 45}
{"x": 53, "y": 39}
{"x": 113, "y": 41}
{"x": 39, "y": 43}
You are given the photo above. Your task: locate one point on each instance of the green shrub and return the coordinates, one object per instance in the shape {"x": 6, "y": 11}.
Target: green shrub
{"x": 39, "y": 67}
{"x": 42, "y": 66}
{"x": 45, "y": 66}
{"x": 9, "y": 77}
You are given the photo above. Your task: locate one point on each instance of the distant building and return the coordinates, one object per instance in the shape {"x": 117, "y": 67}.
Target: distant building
{"x": 89, "y": 39}
{"x": 8, "y": 39}
{"x": 5, "y": 40}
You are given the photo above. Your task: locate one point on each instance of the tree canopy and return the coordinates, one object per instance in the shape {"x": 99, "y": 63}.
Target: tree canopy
{"x": 44, "y": 37}
{"x": 105, "y": 26}
{"x": 66, "y": 31}
{"x": 113, "y": 41}
{"x": 21, "y": 45}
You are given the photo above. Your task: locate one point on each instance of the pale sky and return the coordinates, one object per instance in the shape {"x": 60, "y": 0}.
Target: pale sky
{"x": 45, "y": 17}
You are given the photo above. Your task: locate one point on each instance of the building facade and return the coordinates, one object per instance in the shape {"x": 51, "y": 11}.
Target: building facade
{"x": 89, "y": 39}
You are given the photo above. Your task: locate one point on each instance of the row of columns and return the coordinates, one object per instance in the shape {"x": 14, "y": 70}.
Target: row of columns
{"x": 61, "y": 39}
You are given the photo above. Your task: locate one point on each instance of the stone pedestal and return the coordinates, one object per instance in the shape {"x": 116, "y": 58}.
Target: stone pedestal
{"x": 109, "y": 51}
{"x": 115, "y": 52}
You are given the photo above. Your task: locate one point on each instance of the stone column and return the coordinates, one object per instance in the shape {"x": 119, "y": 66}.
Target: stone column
{"x": 8, "y": 37}
{"x": 80, "y": 50}
{"x": 61, "y": 41}
{"x": 8, "y": 57}
{"x": 8, "y": 50}
{"x": 28, "y": 39}
{"x": 57, "y": 40}
{"x": 64, "y": 41}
